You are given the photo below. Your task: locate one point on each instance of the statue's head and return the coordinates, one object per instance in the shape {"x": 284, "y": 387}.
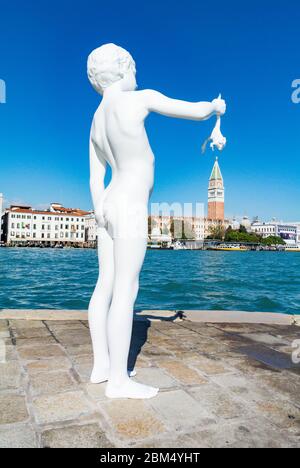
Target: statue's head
{"x": 109, "y": 64}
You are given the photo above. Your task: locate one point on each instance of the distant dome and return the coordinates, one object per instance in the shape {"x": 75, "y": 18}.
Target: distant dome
{"x": 235, "y": 224}
{"x": 246, "y": 222}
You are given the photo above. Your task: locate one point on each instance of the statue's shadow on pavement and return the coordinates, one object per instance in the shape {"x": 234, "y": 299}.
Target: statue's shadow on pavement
{"x": 141, "y": 325}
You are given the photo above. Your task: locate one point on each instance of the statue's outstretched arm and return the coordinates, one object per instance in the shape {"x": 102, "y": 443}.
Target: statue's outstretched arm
{"x": 157, "y": 102}
{"x": 97, "y": 174}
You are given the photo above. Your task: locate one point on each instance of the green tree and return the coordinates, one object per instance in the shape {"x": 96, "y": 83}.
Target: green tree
{"x": 273, "y": 240}
{"x": 216, "y": 231}
{"x": 242, "y": 229}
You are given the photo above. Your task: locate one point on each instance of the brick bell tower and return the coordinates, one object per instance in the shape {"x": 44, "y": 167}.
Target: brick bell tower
{"x": 216, "y": 194}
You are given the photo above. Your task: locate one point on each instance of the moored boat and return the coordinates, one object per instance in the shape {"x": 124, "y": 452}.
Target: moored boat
{"x": 229, "y": 248}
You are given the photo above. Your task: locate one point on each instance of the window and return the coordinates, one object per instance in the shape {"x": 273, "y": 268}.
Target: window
{"x": 13, "y": 216}
{"x": 56, "y": 227}
{"x": 43, "y": 218}
{"x": 67, "y": 234}
{"x": 12, "y": 225}
{"x": 49, "y": 218}
{"x": 43, "y": 227}
{"x": 56, "y": 236}
{"x": 43, "y": 235}
{"x": 34, "y": 226}
{"x": 48, "y": 227}
{"x": 34, "y": 235}
{"x": 28, "y": 217}
{"x": 61, "y": 234}
{"x": 48, "y": 236}
{"x": 67, "y": 226}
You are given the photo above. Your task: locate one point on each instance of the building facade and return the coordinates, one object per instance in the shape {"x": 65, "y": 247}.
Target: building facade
{"x": 58, "y": 225}
{"x": 167, "y": 228}
{"x": 290, "y": 233}
{"x": 216, "y": 195}
{"x": 91, "y": 229}
{"x": 297, "y": 224}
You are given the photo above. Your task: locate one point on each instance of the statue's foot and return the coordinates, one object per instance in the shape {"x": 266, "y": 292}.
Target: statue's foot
{"x": 131, "y": 389}
{"x": 101, "y": 375}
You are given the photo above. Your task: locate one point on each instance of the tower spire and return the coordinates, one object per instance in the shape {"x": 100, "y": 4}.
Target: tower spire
{"x": 216, "y": 194}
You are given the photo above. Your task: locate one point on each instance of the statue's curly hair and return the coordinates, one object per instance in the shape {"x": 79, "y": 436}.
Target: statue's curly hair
{"x": 108, "y": 64}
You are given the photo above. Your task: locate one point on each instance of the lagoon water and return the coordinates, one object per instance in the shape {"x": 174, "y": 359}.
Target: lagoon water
{"x": 64, "y": 279}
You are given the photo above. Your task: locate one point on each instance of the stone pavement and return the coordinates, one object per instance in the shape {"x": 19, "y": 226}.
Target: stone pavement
{"x": 222, "y": 385}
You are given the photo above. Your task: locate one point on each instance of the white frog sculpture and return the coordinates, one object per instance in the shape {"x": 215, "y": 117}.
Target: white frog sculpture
{"x": 216, "y": 137}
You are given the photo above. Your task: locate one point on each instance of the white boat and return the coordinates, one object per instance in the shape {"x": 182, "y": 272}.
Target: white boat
{"x": 179, "y": 246}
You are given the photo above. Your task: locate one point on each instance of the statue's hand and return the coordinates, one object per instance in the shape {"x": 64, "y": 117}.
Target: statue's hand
{"x": 219, "y": 105}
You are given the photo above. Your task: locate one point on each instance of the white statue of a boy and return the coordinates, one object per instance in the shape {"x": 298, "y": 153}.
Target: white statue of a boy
{"x": 118, "y": 137}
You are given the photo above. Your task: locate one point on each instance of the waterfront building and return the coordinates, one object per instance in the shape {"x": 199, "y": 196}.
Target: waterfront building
{"x": 57, "y": 225}
{"x": 91, "y": 229}
{"x": 288, "y": 232}
{"x": 297, "y": 225}
{"x": 166, "y": 228}
{"x": 216, "y": 195}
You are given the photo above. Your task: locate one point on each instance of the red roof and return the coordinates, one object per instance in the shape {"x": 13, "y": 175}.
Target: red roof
{"x": 70, "y": 212}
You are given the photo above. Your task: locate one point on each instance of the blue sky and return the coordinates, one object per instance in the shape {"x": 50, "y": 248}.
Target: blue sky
{"x": 191, "y": 50}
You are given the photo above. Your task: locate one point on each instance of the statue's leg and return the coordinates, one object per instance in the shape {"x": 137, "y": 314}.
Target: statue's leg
{"x": 99, "y": 307}
{"x": 129, "y": 256}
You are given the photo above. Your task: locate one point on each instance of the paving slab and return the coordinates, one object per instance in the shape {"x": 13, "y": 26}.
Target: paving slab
{"x": 155, "y": 377}
{"x": 85, "y": 436}
{"x": 180, "y": 410}
{"x": 47, "y": 365}
{"x": 256, "y": 433}
{"x": 209, "y": 365}
{"x": 10, "y": 375}
{"x": 13, "y": 409}
{"x": 219, "y": 402}
{"x": 51, "y": 382}
{"x": 60, "y": 407}
{"x": 31, "y": 353}
{"x": 18, "y": 436}
{"x": 181, "y": 372}
{"x": 132, "y": 419}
